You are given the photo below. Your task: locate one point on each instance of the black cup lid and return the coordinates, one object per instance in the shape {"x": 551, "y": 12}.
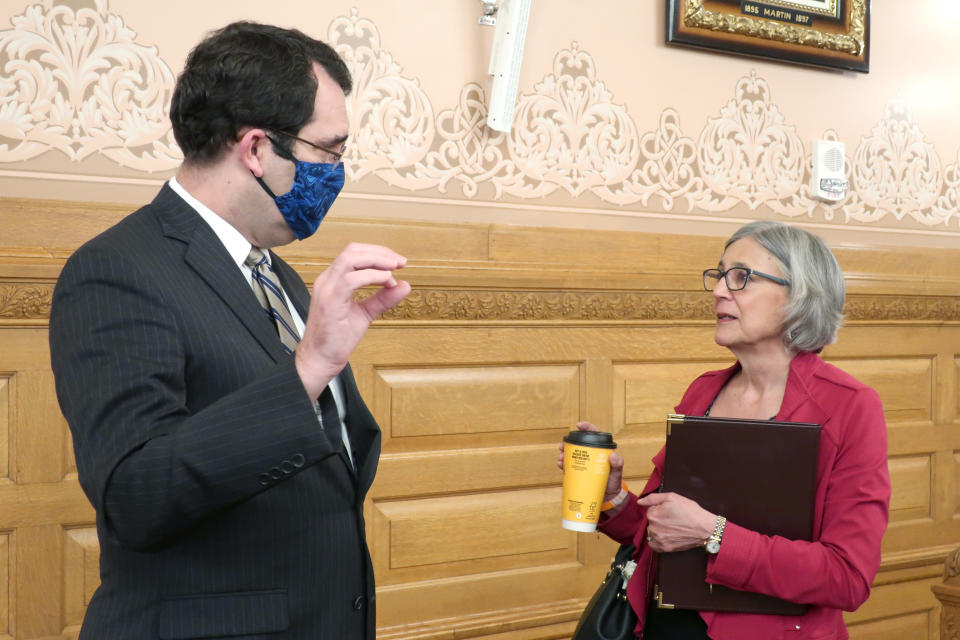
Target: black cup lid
{"x": 600, "y": 439}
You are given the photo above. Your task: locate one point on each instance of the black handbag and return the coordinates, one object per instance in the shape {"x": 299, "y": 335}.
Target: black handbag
{"x": 608, "y": 615}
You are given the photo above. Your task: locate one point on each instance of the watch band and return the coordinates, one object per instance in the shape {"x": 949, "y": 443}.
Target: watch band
{"x": 618, "y": 499}
{"x": 719, "y": 527}
{"x": 712, "y": 543}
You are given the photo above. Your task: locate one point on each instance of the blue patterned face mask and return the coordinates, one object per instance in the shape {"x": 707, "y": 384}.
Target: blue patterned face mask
{"x": 315, "y": 186}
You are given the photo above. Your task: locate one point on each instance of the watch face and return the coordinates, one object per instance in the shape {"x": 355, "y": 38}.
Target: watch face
{"x": 713, "y": 546}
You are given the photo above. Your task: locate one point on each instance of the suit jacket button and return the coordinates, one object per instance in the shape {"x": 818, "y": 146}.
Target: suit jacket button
{"x": 264, "y": 479}
{"x": 358, "y": 603}
{"x": 298, "y": 460}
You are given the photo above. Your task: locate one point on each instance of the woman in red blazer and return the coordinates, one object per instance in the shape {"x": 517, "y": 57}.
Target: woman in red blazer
{"x": 778, "y": 297}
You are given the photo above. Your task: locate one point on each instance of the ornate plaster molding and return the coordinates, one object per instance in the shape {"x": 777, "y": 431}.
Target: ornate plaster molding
{"x": 571, "y": 135}
{"x": 77, "y": 81}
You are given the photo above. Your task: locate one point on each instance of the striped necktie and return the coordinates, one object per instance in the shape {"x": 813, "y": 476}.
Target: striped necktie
{"x": 266, "y": 286}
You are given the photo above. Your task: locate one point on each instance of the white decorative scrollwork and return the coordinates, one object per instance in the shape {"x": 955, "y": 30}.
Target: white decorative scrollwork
{"x": 948, "y": 204}
{"x": 668, "y": 167}
{"x": 748, "y": 154}
{"x": 77, "y": 82}
{"x": 897, "y": 172}
{"x": 468, "y": 151}
{"x": 570, "y": 134}
{"x": 391, "y": 115}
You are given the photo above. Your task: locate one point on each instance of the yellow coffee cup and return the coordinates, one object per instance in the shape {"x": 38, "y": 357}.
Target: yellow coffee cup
{"x": 586, "y": 467}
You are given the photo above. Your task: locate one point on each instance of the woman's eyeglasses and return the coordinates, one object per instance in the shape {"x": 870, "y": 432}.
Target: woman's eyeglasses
{"x": 736, "y": 278}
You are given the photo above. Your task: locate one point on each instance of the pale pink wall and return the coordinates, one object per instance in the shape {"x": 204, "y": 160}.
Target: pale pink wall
{"x": 420, "y": 150}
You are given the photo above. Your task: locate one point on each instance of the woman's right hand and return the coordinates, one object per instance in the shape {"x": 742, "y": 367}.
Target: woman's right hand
{"x": 616, "y": 466}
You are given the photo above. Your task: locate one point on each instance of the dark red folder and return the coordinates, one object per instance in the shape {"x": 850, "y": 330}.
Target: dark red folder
{"x": 759, "y": 474}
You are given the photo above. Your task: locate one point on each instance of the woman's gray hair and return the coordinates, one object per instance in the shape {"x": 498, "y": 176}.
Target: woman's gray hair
{"x": 817, "y": 292}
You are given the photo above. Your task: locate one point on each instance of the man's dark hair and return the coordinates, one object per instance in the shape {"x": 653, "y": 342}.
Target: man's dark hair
{"x": 248, "y": 74}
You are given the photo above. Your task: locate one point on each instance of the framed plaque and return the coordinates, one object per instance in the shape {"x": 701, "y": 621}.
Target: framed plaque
{"x": 827, "y": 33}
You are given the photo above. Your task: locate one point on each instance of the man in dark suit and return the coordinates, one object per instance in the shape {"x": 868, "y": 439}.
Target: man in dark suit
{"x": 228, "y": 459}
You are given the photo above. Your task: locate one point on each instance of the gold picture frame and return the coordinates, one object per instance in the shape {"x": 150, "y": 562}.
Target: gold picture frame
{"x": 826, "y": 33}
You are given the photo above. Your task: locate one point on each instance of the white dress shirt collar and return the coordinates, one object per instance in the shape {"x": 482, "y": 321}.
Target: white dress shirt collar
{"x": 237, "y": 246}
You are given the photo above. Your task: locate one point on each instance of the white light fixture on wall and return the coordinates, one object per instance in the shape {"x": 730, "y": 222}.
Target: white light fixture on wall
{"x": 509, "y": 18}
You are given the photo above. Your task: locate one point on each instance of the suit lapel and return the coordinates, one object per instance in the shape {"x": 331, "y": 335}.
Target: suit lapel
{"x": 207, "y": 256}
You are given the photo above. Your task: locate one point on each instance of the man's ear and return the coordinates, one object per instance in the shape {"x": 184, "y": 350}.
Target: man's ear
{"x": 250, "y": 148}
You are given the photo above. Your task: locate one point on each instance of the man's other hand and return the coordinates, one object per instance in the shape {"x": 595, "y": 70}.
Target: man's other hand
{"x": 336, "y": 320}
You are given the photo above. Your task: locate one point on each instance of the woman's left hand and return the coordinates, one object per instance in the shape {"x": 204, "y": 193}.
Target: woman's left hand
{"x": 675, "y": 523}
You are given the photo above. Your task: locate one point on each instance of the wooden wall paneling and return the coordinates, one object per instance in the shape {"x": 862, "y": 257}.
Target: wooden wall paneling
{"x": 909, "y": 374}
{"x": 913, "y": 371}
{"x": 948, "y": 594}
{"x": 954, "y": 390}
{"x": 464, "y": 510}
{"x": 38, "y": 580}
{"x": 899, "y": 609}
{"x": 596, "y": 400}
{"x": 6, "y": 602}
{"x": 511, "y": 336}
{"x": 81, "y": 573}
{"x": 438, "y": 242}
{"x": 904, "y": 383}
{"x": 912, "y": 476}
{"x": 653, "y": 254}
{"x": 461, "y": 400}
{"x": 40, "y": 495}
{"x": 638, "y": 385}
{"x": 5, "y": 389}
{"x": 953, "y": 492}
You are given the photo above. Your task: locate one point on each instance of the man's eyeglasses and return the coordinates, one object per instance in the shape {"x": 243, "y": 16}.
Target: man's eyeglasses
{"x": 335, "y": 157}
{"x": 736, "y": 278}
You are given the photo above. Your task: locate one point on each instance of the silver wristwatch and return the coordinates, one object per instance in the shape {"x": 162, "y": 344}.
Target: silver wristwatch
{"x": 712, "y": 545}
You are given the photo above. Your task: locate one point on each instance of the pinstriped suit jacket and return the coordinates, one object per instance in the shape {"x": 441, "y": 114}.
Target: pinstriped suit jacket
{"x": 222, "y": 509}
